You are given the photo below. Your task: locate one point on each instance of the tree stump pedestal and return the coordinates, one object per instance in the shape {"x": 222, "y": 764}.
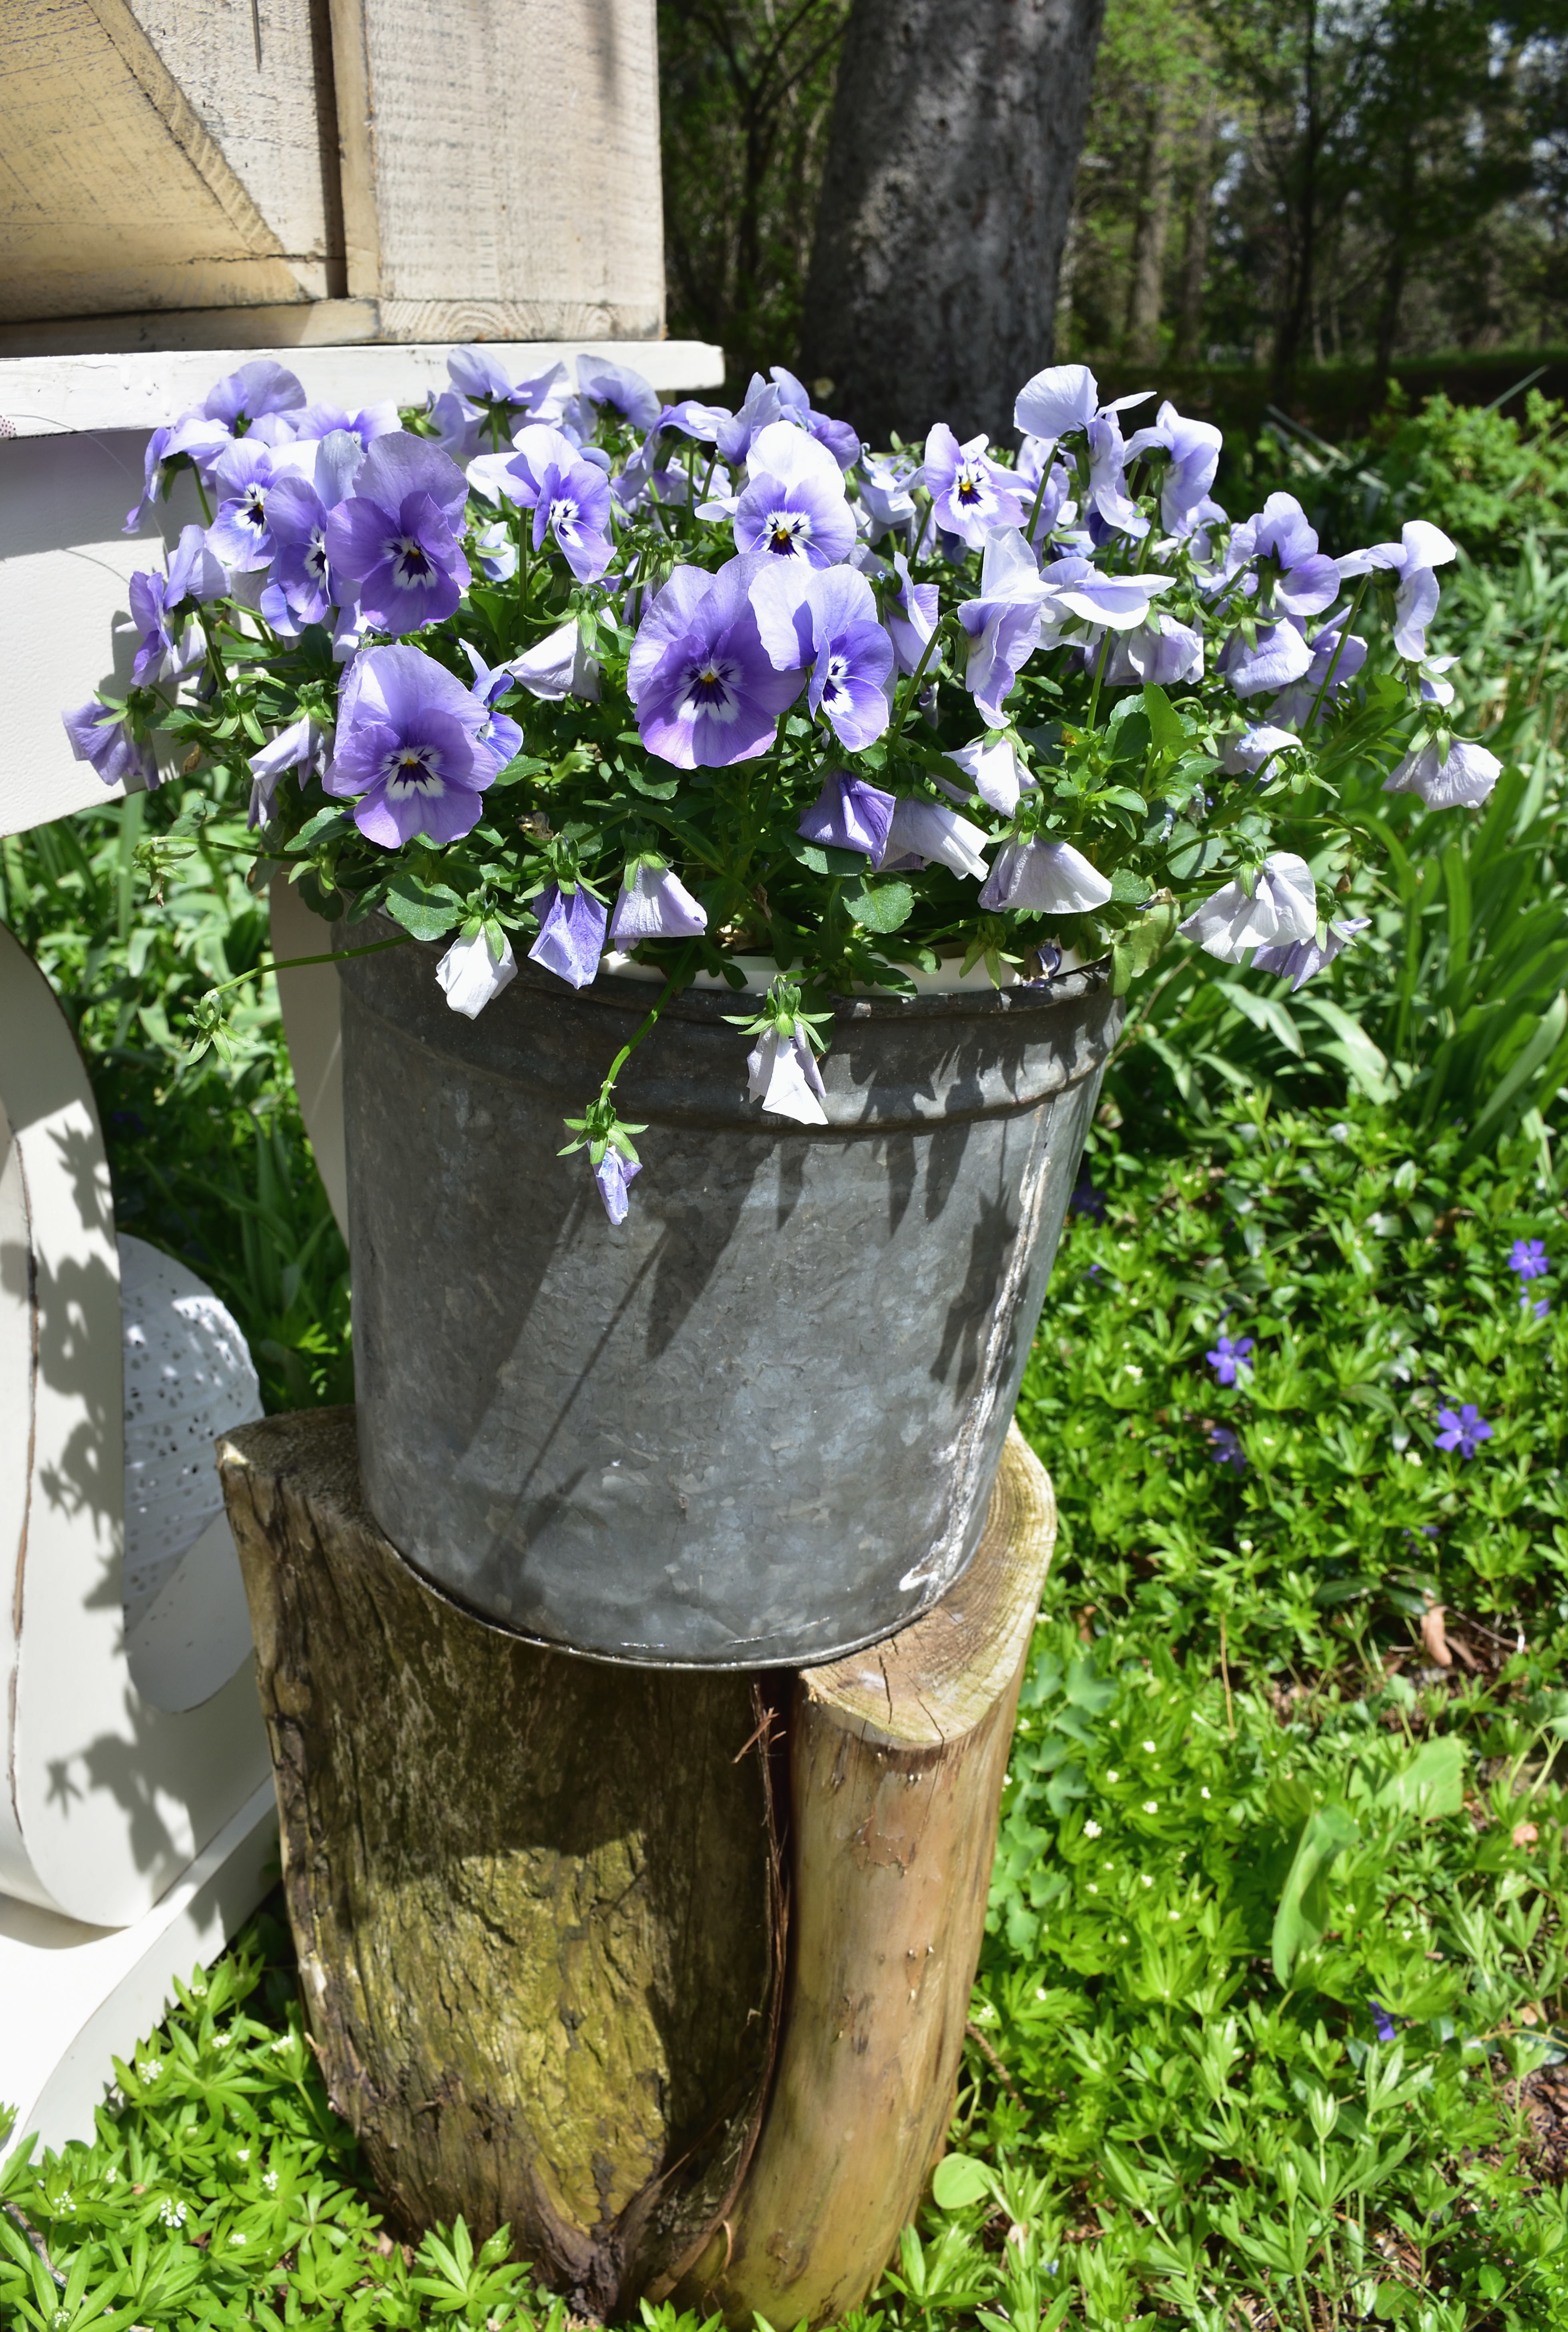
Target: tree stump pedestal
{"x": 667, "y": 1969}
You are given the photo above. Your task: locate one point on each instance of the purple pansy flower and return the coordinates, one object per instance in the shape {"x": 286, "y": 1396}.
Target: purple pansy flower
{"x": 299, "y": 590}
{"x": 1303, "y": 958}
{"x": 1464, "y": 1429}
{"x": 612, "y": 1174}
{"x": 841, "y": 439}
{"x": 261, "y": 388}
{"x": 560, "y": 666}
{"x": 1294, "y": 703}
{"x": 1004, "y": 623}
{"x": 497, "y": 735}
{"x": 1161, "y": 652}
{"x": 655, "y": 904}
{"x": 240, "y": 533}
{"x": 783, "y": 1075}
{"x": 911, "y": 615}
{"x": 479, "y": 375}
{"x": 572, "y": 935}
{"x": 1277, "y": 655}
{"x": 625, "y": 392}
{"x": 969, "y": 494}
{"x": 1297, "y": 579}
{"x": 825, "y": 618}
{"x": 1228, "y": 1358}
{"x": 995, "y": 771}
{"x": 194, "y": 574}
{"x": 568, "y": 495}
{"x": 1194, "y": 447}
{"x": 1528, "y": 1259}
{"x": 101, "y": 735}
{"x": 887, "y": 493}
{"x": 794, "y": 504}
{"x": 1461, "y": 778}
{"x": 1420, "y": 548}
{"x": 1281, "y": 907}
{"x": 920, "y": 832}
{"x": 849, "y": 814}
{"x": 396, "y": 536}
{"x": 1049, "y": 878}
{"x": 1047, "y": 488}
{"x": 1252, "y": 749}
{"x": 407, "y": 747}
{"x": 301, "y": 746}
{"x": 706, "y": 692}
{"x": 1107, "y": 495}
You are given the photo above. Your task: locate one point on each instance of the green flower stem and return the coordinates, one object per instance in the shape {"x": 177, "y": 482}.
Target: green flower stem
{"x": 1345, "y": 632}
{"x": 298, "y": 962}
{"x": 913, "y": 690}
{"x": 675, "y": 979}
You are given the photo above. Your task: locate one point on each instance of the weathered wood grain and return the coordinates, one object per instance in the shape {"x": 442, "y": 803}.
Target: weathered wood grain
{"x": 114, "y": 194}
{"x": 896, "y": 1761}
{"x": 536, "y": 1898}
{"x": 501, "y": 169}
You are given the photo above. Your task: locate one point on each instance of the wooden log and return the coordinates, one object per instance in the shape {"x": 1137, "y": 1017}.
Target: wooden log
{"x": 541, "y": 1915}
{"x": 896, "y": 1763}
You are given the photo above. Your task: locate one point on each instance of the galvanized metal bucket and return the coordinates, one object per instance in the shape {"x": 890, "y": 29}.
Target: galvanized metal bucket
{"x": 758, "y": 1424}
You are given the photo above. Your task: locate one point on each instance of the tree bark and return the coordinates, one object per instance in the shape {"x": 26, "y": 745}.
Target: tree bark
{"x": 541, "y": 1912}
{"x": 1195, "y": 255}
{"x": 944, "y": 203}
{"x": 1146, "y": 284}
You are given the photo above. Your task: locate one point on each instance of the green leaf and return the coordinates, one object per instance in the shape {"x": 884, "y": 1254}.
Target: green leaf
{"x": 1136, "y": 947}
{"x": 643, "y": 781}
{"x": 823, "y": 859}
{"x": 427, "y": 910}
{"x": 880, "y": 906}
{"x": 1432, "y": 1785}
{"x": 1303, "y": 1913}
{"x": 1164, "y": 721}
{"x": 959, "y": 2180}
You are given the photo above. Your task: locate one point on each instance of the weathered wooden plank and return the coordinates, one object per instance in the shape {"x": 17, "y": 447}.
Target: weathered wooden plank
{"x": 113, "y": 194}
{"x": 467, "y": 216}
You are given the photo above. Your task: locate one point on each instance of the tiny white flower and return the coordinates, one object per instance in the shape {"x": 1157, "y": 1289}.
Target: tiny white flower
{"x": 171, "y": 2213}
{"x": 1173, "y": 1916}
{"x": 1039, "y": 1992}
{"x": 1112, "y": 1777}
{"x": 244, "y": 2154}
{"x": 1091, "y": 1830}
{"x": 237, "y": 2238}
{"x": 1144, "y": 1880}
{"x": 1203, "y": 1794}
{"x": 1130, "y": 1370}
{"x": 1093, "y": 1889}
{"x": 1149, "y": 1745}
{"x": 1151, "y": 1805}
{"x": 270, "y": 2181}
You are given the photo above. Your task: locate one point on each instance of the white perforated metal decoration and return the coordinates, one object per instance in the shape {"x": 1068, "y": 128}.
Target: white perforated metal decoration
{"x": 105, "y": 1796}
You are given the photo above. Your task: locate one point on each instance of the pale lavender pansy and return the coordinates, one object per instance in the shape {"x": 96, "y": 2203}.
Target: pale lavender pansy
{"x": 924, "y": 833}
{"x": 571, "y": 933}
{"x": 1292, "y": 576}
{"x": 101, "y": 735}
{"x": 406, "y": 749}
{"x": 1276, "y": 654}
{"x": 1298, "y": 960}
{"x": 304, "y": 744}
{"x": 1460, "y": 778}
{"x": 825, "y": 619}
{"x": 654, "y": 903}
{"x": 783, "y": 1075}
{"x": 1043, "y": 877}
{"x": 970, "y": 493}
{"x": 396, "y": 535}
{"x": 849, "y": 814}
{"x": 793, "y": 505}
{"x": 995, "y": 771}
{"x": 1327, "y": 677}
{"x": 1194, "y": 447}
{"x": 1422, "y": 548}
{"x": 473, "y": 971}
{"x": 705, "y": 689}
{"x": 1280, "y": 908}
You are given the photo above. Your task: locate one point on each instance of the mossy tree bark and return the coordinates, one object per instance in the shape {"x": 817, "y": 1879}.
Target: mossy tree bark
{"x": 541, "y": 1903}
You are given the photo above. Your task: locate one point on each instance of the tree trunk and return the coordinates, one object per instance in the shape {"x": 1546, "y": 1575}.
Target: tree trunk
{"x": 1195, "y": 256}
{"x": 944, "y": 202}
{"x": 1146, "y": 284}
{"x": 542, "y": 1910}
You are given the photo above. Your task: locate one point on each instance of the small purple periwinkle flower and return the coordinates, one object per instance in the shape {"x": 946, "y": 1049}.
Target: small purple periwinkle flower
{"x": 848, "y": 814}
{"x": 1538, "y": 1310}
{"x": 396, "y": 536}
{"x": 1090, "y": 1203}
{"x": 611, "y": 1176}
{"x": 1281, "y": 909}
{"x": 1528, "y": 1259}
{"x": 1460, "y": 778}
{"x": 1298, "y": 962}
{"x": 1226, "y": 1447}
{"x": 406, "y": 749}
{"x": 706, "y": 692}
{"x": 1049, "y": 878}
{"x": 793, "y": 505}
{"x": 572, "y": 935}
{"x": 655, "y": 904}
{"x": 1253, "y": 750}
{"x": 825, "y": 619}
{"x": 1384, "y": 2024}
{"x": 1230, "y": 1357}
{"x": 101, "y": 735}
{"x": 970, "y": 493}
{"x": 1464, "y": 1429}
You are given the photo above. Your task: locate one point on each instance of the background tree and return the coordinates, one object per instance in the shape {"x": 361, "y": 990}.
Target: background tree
{"x": 949, "y": 176}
